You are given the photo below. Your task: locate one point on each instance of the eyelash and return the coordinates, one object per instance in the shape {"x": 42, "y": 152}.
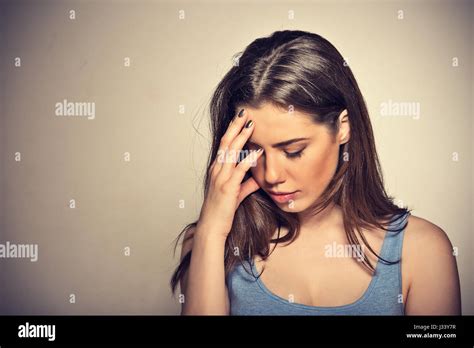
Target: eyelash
{"x": 296, "y": 154}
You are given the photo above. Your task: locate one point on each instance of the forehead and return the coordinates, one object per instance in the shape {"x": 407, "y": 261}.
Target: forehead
{"x": 274, "y": 124}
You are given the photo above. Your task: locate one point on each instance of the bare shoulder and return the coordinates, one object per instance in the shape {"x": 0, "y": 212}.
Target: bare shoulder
{"x": 425, "y": 244}
{"x": 424, "y": 238}
{"x": 430, "y": 269}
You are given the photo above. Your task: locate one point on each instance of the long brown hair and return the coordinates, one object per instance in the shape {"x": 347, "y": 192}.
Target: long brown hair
{"x": 303, "y": 70}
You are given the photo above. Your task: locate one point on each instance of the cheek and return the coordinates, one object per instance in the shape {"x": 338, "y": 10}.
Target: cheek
{"x": 257, "y": 174}
{"x": 317, "y": 171}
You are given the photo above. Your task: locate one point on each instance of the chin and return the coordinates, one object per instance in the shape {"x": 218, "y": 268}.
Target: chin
{"x": 287, "y": 209}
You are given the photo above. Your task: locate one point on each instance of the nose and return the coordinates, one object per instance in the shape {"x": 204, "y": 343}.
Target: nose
{"x": 274, "y": 173}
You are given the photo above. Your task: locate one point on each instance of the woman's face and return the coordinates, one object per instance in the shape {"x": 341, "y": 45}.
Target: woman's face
{"x": 303, "y": 166}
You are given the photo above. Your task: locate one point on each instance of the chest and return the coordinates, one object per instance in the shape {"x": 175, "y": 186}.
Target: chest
{"x": 323, "y": 273}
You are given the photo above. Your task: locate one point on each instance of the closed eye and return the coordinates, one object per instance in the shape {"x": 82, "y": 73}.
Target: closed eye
{"x": 294, "y": 154}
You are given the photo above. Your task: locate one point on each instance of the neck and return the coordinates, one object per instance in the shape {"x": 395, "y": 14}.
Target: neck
{"x": 325, "y": 219}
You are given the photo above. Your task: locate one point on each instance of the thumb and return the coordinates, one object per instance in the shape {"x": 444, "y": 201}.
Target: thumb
{"x": 248, "y": 187}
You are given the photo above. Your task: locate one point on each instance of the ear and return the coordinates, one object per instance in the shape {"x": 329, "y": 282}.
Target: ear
{"x": 344, "y": 128}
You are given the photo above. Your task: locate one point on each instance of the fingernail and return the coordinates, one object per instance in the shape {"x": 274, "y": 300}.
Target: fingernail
{"x": 249, "y": 124}
{"x": 242, "y": 112}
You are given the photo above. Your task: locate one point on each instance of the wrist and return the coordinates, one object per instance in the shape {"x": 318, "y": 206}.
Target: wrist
{"x": 208, "y": 233}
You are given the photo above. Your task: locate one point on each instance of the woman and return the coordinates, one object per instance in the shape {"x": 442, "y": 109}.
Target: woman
{"x": 302, "y": 225}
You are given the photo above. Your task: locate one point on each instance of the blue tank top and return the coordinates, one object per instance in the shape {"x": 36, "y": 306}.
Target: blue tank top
{"x": 382, "y": 297}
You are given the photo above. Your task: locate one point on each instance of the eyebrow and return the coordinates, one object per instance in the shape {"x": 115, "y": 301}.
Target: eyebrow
{"x": 283, "y": 143}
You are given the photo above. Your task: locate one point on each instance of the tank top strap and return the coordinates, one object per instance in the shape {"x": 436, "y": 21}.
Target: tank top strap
{"x": 393, "y": 241}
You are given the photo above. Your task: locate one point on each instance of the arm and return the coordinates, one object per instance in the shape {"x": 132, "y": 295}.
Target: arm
{"x": 433, "y": 275}
{"x": 203, "y": 285}
{"x": 204, "y": 288}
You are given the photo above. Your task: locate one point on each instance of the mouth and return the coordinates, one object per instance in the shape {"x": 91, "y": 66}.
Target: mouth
{"x": 282, "y": 197}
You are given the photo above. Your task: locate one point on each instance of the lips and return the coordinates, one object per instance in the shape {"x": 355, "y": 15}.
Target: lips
{"x": 282, "y": 197}
{"x": 280, "y": 193}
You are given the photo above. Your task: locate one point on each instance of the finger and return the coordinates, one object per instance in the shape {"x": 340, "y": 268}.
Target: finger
{"x": 250, "y": 161}
{"x": 248, "y": 187}
{"x": 234, "y": 128}
{"x": 236, "y": 147}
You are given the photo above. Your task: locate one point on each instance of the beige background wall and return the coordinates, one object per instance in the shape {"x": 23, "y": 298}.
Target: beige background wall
{"x": 155, "y": 109}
